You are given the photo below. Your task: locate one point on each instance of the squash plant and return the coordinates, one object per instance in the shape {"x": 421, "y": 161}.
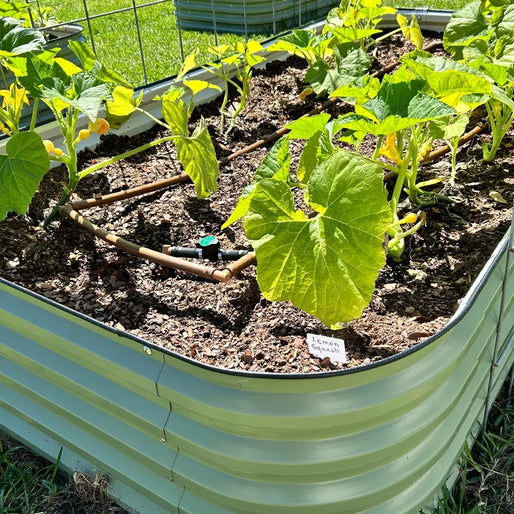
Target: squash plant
{"x": 238, "y": 58}
{"x": 194, "y": 151}
{"x": 69, "y": 91}
{"x": 324, "y": 258}
{"x": 338, "y": 55}
{"x": 482, "y": 35}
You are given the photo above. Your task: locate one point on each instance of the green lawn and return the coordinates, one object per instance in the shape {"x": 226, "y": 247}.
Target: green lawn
{"x": 116, "y": 41}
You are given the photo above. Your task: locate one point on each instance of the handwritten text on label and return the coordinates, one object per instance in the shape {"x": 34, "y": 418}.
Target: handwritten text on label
{"x": 323, "y": 346}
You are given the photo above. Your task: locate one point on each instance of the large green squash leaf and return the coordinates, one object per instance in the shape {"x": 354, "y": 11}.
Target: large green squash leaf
{"x": 465, "y": 26}
{"x": 83, "y": 90}
{"x": 361, "y": 124}
{"x": 197, "y": 155}
{"x": 405, "y": 100}
{"x": 21, "y": 171}
{"x": 326, "y": 265}
{"x": 446, "y": 77}
{"x": 351, "y": 63}
{"x": 305, "y": 128}
{"x": 16, "y": 40}
{"x": 505, "y": 26}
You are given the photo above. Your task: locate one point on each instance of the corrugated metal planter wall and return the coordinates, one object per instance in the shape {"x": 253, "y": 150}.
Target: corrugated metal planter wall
{"x": 177, "y": 436}
{"x": 241, "y": 16}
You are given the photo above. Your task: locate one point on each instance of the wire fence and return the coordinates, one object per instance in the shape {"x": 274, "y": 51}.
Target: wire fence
{"x": 147, "y": 41}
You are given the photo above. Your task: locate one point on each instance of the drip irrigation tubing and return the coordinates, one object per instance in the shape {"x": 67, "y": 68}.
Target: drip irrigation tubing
{"x": 155, "y": 186}
{"x": 223, "y": 275}
{"x": 209, "y": 272}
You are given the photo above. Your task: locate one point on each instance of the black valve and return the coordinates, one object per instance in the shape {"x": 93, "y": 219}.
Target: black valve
{"x": 207, "y": 248}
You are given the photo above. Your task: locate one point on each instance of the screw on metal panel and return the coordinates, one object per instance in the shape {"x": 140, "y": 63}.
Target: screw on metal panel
{"x": 147, "y": 350}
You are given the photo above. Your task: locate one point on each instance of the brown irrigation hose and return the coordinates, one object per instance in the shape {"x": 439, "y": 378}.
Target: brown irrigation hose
{"x": 222, "y": 275}
{"x": 163, "y": 258}
{"x": 129, "y": 193}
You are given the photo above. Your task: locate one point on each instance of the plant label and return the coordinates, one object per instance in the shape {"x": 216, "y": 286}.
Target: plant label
{"x": 323, "y": 346}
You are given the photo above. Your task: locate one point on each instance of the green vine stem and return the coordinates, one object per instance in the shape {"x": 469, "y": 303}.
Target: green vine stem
{"x": 129, "y": 153}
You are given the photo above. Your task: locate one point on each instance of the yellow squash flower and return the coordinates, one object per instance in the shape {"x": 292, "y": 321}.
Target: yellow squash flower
{"x": 50, "y": 148}
{"x": 100, "y": 126}
{"x": 390, "y": 150}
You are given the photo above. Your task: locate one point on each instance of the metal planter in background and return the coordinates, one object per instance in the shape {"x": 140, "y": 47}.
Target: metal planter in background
{"x": 174, "y": 435}
{"x": 249, "y": 16}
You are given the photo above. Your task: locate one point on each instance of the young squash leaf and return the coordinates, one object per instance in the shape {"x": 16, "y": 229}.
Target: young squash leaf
{"x": 197, "y": 155}
{"x": 21, "y": 171}
{"x": 274, "y": 166}
{"x": 326, "y": 265}
{"x": 196, "y": 151}
{"x": 410, "y": 31}
{"x": 17, "y": 40}
{"x": 123, "y": 104}
{"x": 351, "y": 62}
{"x": 466, "y": 26}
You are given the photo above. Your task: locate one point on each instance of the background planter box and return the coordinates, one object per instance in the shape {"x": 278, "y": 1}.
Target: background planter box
{"x": 174, "y": 435}
{"x": 271, "y": 16}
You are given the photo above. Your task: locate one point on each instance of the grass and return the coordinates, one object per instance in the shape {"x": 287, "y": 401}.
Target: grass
{"x": 26, "y": 481}
{"x": 30, "y": 484}
{"x": 486, "y": 479}
{"x": 116, "y": 40}
{"x": 428, "y": 4}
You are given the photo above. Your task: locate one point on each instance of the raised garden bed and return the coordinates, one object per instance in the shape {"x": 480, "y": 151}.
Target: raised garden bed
{"x": 226, "y": 435}
{"x": 249, "y": 16}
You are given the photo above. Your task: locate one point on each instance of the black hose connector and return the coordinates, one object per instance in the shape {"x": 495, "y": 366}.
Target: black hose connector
{"x": 207, "y": 248}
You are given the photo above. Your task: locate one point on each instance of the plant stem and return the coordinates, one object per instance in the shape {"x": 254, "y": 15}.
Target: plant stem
{"x": 68, "y": 126}
{"x": 33, "y": 118}
{"x": 124, "y": 155}
{"x": 377, "y": 148}
{"x": 499, "y": 127}
{"x": 154, "y": 119}
{"x": 381, "y": 38}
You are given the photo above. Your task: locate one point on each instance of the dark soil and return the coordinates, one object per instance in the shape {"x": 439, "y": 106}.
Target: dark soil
{"x": 231, "y": 325}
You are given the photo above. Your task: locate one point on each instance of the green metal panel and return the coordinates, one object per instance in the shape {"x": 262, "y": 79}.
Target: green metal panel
{"x": 238, "y": 16}
{"x": 177, "y": 436}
